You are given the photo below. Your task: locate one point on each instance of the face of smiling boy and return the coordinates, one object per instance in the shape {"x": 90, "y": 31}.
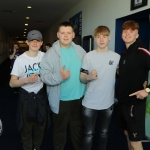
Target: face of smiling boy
{"x": 129, "y": 36}
{"x": 34, "y": 45}
{"x": 65, "y": 35}
{"x": 102, "y": 40}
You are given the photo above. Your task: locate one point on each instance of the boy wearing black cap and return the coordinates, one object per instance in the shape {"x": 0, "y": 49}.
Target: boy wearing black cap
{"x": 32, "y": 106}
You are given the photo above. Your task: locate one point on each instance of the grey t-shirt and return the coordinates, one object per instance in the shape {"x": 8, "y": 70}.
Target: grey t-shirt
{"x": 100, "y": 92}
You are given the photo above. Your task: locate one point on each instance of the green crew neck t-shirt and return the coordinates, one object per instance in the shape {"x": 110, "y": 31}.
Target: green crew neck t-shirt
{"x": 72, "y": 88}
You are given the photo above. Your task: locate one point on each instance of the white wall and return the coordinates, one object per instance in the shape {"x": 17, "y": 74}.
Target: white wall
{"x": 95, "y": 13}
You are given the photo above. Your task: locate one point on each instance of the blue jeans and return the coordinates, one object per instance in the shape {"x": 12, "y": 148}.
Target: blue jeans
{"x": 89, "y": 120}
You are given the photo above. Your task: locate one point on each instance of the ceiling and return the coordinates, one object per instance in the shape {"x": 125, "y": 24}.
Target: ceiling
{"x": 43, "y": 13}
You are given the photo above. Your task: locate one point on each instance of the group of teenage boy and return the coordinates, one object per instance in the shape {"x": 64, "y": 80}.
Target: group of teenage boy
{"x": 80, "y": 88}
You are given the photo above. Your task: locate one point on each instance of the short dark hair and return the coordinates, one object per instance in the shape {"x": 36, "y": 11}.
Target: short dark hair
{"x": 16, "y": 44}
{"x": 65, "y": 24}
{"x": 48, "y": 44}
{"x": 130, "y": 24}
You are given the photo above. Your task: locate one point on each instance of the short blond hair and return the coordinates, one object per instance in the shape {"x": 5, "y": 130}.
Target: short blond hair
{"x": 104, "y": 30}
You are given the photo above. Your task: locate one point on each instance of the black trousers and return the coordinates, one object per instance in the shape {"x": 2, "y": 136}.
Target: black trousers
{"x": 70, "y": 114}
{"x": 89, "y": 120}
{"x": 31, "y": 132}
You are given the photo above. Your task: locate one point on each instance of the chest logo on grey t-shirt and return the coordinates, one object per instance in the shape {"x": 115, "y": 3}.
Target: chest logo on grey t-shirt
{"x": 111, "y": 62}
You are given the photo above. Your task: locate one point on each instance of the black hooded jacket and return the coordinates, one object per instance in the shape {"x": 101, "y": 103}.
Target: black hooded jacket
{"x": 133, "y": 70}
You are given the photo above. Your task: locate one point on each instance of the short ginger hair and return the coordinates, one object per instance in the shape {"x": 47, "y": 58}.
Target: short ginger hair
{"x": 130, "y": 24}
{"x": 103, "y": 30}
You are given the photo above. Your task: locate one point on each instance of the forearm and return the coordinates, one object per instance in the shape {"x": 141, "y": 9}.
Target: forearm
{"x": 50, "y": 74}
{"x": 17, "y": 82}
{"x": 12, "y": 56}
{"x": 51, "y": 79}
{"x": 84, "y": 78}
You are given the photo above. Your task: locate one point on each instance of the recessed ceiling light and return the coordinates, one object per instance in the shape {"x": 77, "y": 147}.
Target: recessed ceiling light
{"x": 24, "y": 32}
{"x": 27, "y": 17}
{"x": 20, "y": 41}
{"x": 26, "y": 24}
{"x": 29, "y": 7}
{"x": 24, "y": 35}
{"x": 25, "y": 29}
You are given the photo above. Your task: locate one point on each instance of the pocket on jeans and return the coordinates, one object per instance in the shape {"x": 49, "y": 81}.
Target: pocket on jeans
{"x": 111, "y": 107}
{"x": 85, "y": 108}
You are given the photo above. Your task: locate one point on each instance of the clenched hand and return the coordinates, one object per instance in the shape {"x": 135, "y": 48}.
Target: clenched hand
{"x": 65, "y": 74}
{"x": 33, "y": 78}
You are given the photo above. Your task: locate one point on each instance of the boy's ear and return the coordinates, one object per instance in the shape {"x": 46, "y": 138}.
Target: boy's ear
{"x": 137, "y": 35}
{"x": 58, "y": 34}
{"x": 73, "y": 34}
{"x": 27, "y": 42}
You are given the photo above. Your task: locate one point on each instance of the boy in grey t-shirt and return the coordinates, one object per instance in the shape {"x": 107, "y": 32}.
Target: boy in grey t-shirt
{"x": 98, "y": 71}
